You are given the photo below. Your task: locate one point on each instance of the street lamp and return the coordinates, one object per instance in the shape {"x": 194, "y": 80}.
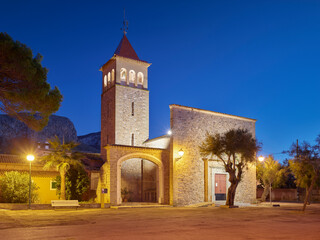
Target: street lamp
{"x": 261, "y": 158}
{"x": 30, "y": 158}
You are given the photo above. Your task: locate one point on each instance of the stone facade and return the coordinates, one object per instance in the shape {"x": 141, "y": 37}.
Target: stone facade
{"x": 128, "y": 124}
{"x": 125, "y": 146}
{"x": 124, "y": 102}
{"x": 189, "y": 127}
{"x": 111, "y": 174}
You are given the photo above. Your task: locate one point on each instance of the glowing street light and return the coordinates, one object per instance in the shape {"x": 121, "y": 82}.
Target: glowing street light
{"x": 169, "y": 132}
{"x": 30, "y": 158}
{"x": 261, "y": 158}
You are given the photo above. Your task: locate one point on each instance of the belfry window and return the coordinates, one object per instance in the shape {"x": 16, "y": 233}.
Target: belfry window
{"x": 112, "y": 75}
{"x": 140, "y": 78}
{"x": 132, "y": 76}
{"x": 123, "y": 74}
{"x": 105, "y": 80}
{"x": 109, "y": 77}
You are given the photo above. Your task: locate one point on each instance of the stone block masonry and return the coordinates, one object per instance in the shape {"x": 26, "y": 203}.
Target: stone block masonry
{"x": 132, "y": 115}
{"x": 189, "y": 127}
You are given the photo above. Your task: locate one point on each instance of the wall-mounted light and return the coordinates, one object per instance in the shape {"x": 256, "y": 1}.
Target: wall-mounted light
{"x": 169, "y": 132}
{"x": 181, "y": 152}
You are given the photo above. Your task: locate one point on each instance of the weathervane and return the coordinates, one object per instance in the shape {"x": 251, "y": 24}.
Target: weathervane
{"x": 125, "y": 23}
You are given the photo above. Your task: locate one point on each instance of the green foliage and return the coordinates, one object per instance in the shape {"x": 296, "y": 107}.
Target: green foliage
{"x": 270, "y": 171}
{"x": 306, "y": 166}
{"x": 77, "y": 183}
{"x": 14, "y": 187}
{"x": 24, "y": 91}
{"x": 62, "y": 158}
{"x": 303, "y": 173}
{"x": 235, "y": 148}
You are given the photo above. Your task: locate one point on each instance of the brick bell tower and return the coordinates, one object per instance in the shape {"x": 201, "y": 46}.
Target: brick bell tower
{"x": 124, "y": 98}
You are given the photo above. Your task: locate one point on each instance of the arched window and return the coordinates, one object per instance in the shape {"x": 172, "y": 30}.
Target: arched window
{"x": 109, "y": 77}
{"x": 140, "y": 78}
{"x": 105, "y": 80}
{"x": 132, "y": 76}
{"x": 112, "y": 75}
{"x": 123, "y": 74}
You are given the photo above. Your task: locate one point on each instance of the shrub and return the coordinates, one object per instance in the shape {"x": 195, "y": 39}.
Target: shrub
{"x": 15, "y": 188}
{"x": 77, "y": 183}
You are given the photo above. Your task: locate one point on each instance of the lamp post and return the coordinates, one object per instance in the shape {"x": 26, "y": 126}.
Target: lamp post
{"x": 30, "y": 158}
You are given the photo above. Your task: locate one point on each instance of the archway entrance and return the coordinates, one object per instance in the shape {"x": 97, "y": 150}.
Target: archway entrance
{"x": 153, "y": 186}
{"x": 139, "y": 181}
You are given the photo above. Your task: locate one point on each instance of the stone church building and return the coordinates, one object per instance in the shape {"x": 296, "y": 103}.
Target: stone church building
{"x": 167, "y": 169}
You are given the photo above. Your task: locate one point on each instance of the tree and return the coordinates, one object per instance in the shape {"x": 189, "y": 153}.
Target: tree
{"x": 14, "y": 187}
{"x": 269, "y": 172}
{"x": 306, "y": 166}
{"x": 62, "y": 158}
{"x": 235, "y": 148}
{"x": 77, "y": 183}
{"x": 24, "y": 91}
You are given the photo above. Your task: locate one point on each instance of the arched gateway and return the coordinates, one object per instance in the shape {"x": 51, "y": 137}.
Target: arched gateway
{"x": 116, "y": 155}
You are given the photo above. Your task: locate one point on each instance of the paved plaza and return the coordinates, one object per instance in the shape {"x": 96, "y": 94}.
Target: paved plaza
{"x": 262, "y": 222}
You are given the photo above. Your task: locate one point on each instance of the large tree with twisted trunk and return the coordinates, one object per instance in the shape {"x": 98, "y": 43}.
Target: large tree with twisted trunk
{"x": 24, "y": 91}
{"x": 236, "y": 149}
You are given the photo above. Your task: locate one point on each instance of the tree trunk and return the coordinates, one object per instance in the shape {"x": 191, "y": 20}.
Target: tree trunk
{"x": 231, "y": 194}
{"x": 63, "y": 185}
{"x": 309, "y": 190}
{"x": 265, "y": 193}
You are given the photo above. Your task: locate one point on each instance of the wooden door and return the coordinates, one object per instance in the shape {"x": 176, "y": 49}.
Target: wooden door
{"x": 220, "y": 186}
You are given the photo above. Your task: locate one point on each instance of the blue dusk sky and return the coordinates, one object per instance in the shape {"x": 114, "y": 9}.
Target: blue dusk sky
{"x": 257, "y": 59}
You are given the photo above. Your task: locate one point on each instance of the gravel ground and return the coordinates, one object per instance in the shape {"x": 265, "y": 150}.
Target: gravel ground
{"x": 260, "y": 222}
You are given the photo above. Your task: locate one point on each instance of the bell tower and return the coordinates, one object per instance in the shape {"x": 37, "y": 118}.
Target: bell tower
{"x": 124, "y": 98}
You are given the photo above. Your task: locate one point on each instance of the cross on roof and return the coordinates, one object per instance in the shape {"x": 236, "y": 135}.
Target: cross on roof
{"x": 125, "y": 23}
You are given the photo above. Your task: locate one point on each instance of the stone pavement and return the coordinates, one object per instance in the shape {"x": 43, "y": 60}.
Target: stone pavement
{"x": 263, "y": 222}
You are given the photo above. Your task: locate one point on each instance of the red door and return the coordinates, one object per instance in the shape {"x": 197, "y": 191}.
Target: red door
{"x": 220, "y": 186}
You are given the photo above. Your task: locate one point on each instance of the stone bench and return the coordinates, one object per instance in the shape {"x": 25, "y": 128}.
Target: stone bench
{"x": 64, "y": 203}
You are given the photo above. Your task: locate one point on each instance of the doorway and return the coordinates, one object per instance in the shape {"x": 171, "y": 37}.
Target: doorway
{"x": 220, "y": 186}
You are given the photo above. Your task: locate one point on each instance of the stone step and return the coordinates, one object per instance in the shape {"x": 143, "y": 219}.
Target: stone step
{"x": 140, "y": 206}
{"x": 202, "y": 204}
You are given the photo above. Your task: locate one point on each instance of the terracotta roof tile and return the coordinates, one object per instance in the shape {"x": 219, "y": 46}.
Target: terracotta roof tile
{"x": 125, "y": 49}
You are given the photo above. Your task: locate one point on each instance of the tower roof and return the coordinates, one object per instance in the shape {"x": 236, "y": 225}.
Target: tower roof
{"x": 125, "y": 49}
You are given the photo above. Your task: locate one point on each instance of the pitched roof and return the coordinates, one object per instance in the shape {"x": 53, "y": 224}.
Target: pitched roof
{"x": 212, "y": 112}
{"x": 8, "y": 158}
{"x": 90, "y": 161}
{"x": 125, "y": 49}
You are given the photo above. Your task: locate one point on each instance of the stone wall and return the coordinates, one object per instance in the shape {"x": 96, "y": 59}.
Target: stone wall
{"x": 189, "y": 127}
{"x": 107, "y": 119}
{"x": 126, "y": 124}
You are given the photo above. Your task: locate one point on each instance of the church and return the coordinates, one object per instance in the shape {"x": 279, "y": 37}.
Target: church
{"x": 168, "y": 169}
